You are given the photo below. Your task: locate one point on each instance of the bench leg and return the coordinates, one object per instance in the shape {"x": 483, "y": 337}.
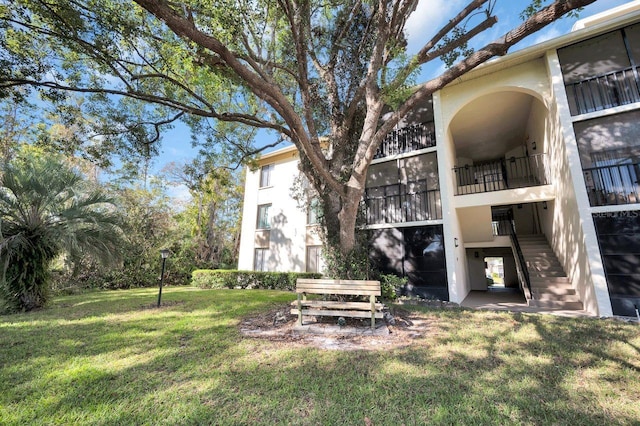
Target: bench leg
{"x": 299, "y": 310}
{"x": 373, "y": 312}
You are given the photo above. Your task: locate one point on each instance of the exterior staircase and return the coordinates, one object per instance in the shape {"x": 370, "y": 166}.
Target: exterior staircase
{"x": 550, "y": 286}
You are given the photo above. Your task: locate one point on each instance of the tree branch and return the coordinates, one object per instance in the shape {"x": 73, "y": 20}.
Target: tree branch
{"x": 498, "y": 47}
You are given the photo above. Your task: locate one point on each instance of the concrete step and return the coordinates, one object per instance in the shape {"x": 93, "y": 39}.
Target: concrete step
{"x": 532, "y": 240}
{"x": 546, "y": 283}
{"x": 545, "y": 275}
{"x": 554, "y": 304}
{"x": 546, "y": 297}
{"x": 544, "y": 251}
{"x": 530, "y": 244}
{"x": 550, "y": 286}
{"x": 552, "y": 291}
{"x": 546, "y": 268}
{"x": 541, "y": 260}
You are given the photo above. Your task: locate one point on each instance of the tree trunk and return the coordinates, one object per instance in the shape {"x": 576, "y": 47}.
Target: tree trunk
{"x": 340, "y": 217}
{"x": 348, "y": 217}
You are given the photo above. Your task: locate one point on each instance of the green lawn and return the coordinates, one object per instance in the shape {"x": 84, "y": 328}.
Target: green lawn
{"x": 110, "y": 358}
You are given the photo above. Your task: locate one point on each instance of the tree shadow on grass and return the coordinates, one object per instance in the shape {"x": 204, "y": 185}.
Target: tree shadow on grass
{"x": 188, "y": 364}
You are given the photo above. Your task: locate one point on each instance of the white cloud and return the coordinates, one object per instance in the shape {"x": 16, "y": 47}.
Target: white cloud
{"x": 546, "y": 34}
{"x": 179, "y": 193}
{"x": 428, "y": 18}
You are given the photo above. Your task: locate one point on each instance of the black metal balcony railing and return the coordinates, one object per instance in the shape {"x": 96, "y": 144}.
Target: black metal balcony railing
{"x": 392, "y": 204}
{"x": 501, "y": 223}
{"x": 408, "y": 139}
{"x": 505, "y": 173}
{"x": 604, "y": 91}
{"x": 611, "y": 185}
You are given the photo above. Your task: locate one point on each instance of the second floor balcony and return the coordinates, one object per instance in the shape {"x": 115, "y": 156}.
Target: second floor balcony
{"x": 501, "y": 174}
{"x": 399, "y": 203}
{"x": 407, "y": 139}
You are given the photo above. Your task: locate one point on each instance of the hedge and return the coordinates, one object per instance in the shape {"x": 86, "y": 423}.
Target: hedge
{"x": 224, "y": 278}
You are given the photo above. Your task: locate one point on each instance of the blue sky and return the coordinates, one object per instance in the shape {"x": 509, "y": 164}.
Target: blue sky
{"x": 429, "y": 16}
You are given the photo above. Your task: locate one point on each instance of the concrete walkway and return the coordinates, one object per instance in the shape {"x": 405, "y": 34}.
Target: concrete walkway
{"x": 510, "y": 300}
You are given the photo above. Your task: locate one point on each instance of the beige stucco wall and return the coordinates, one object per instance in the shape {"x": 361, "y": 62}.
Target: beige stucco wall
{"x": 288, "y": 236}
{"x": 569, "y": 226}
{"x": 455, "y": 256}
{"x": 530, "y": 78}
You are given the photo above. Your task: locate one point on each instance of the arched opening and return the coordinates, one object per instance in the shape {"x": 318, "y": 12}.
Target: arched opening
{"x": 499, "y": 143}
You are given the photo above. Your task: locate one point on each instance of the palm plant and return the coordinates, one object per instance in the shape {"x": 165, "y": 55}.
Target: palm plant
{"x": 47, "y": 209}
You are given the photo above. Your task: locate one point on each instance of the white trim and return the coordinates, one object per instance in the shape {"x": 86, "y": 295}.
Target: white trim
{"x": 596, "y": 269}
{"x": 403, "y": 224}
{"x": 615, "y": 208}
{"x": 405, "y": 155}
{"x": 606, "y": 112}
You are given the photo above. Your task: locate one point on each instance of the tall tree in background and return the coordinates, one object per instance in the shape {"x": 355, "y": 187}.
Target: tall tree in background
{"x": 212, "y": 218}
{"x": 47, "y": 209}
{"x": 304, "y": 69}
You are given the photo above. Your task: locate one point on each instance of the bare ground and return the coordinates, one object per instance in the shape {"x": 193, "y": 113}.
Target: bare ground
{"x": 279, "y": 326}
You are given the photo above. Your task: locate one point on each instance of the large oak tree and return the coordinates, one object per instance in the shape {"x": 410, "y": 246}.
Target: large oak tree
{"x": 319, "y": 73}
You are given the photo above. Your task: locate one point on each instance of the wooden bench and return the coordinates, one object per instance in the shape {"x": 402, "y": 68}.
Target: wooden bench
{"x": 306, "y": 286}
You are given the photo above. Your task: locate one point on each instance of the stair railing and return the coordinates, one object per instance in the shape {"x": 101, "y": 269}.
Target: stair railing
{"x": 521, "y": 264}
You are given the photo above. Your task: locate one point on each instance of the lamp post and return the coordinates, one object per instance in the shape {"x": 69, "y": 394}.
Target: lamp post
{"x": 164, "y": 253}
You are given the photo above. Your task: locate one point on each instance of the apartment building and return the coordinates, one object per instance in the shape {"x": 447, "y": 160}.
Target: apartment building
{"x": 532, "y": 159}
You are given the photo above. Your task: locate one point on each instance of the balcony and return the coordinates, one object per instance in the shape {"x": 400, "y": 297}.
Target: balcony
{"x": 604, "y": 91}
{"x": 501, "y": 174}
{"x": 401, "y": 203}
{"x": 407, "y": 139}
{"x": 613, "y": 185}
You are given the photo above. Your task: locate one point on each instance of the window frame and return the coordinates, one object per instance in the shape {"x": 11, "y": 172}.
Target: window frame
{"x": 265, "y": 175}
{"x": 263, "y": 220}
{"x": 313, "y": 210}
{"x": 318, "y": 258}
{"x": 260, "y": 255}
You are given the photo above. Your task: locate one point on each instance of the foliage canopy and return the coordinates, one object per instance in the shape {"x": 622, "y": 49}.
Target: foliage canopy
{"x": 47, "y": 209}
{"x": 304, "y": 69}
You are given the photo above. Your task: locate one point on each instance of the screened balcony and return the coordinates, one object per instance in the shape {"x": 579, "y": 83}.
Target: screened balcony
{"x": 501, "y": 174}
{"x": 604, "y": 91}
{"x": 612, "y": 185}
{"x": 401, "y": 203}
{"x": 602, "y": 72}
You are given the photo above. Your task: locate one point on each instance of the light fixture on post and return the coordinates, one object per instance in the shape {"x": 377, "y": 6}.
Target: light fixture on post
{"x": 164, "y": 253}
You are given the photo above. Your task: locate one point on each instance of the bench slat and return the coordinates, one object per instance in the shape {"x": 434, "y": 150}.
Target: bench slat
{"x": 330, "y": 313}
{"x": 339, "y": 291}
{"x": 343, "y": 287}
{"x": 338, "y": 305}
{"x": 367, "y": 284}
{"x": 336, "y": 282}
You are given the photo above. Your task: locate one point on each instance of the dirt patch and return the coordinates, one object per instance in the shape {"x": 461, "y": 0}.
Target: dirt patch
{"x": 278, "y": 325}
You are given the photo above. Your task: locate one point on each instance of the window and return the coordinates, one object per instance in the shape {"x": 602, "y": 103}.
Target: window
{"x": 313, "y": 212}
{"x": 265, "y": 175}
{"x": 260, "y": 259}
{"x": 314, "y": 254}
{"x": 263, "y": 216}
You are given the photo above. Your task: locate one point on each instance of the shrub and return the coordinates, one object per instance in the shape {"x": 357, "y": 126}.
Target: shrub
{"x": 223, "y": 278}
{"x": 391, "y": 286}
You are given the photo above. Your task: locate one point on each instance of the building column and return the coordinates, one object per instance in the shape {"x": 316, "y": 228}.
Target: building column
{"x": 589, "y": 236}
